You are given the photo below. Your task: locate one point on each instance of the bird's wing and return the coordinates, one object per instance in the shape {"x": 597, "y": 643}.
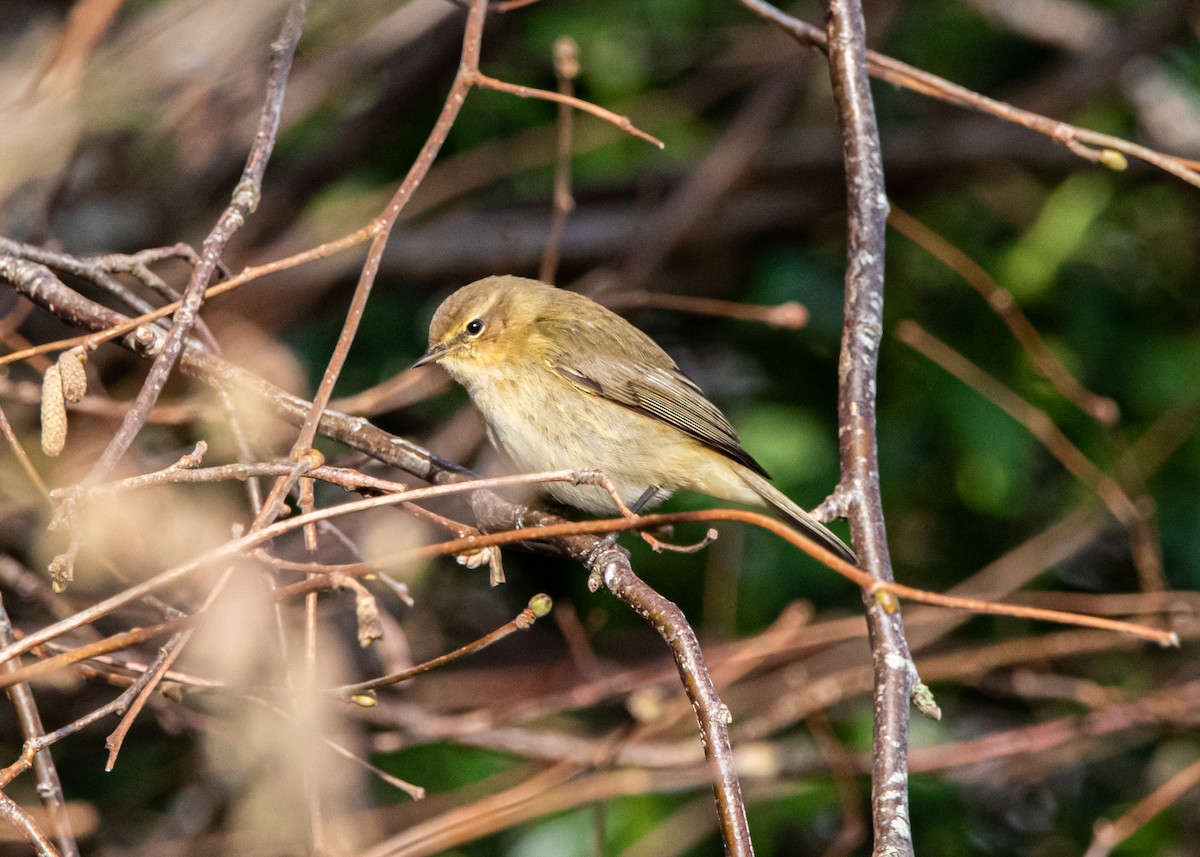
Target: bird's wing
{"x": 660, "y": 391}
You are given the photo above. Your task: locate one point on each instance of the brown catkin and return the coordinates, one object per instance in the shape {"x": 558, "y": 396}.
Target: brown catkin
{"x": 54, "y": 413}
{"x": 74, "y": 376}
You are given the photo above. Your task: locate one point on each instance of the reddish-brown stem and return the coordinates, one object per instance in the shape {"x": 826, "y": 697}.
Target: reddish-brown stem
{"x": 874, "y": 589}
{"x": 523, "y": 622}
{"x": 481, "y": 80}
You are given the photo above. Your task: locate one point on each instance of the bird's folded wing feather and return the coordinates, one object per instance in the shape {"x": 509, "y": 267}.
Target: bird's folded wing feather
{"x": 663, "y": 392}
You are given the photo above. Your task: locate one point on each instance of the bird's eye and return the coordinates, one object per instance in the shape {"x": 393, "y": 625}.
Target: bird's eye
{"x": 474, "y": 327}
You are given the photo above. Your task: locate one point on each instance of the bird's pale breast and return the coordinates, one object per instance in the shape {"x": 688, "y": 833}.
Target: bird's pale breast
{"x": 545, "y": 424}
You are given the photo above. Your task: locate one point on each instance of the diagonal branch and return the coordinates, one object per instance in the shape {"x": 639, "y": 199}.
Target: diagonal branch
{"x": 712, "y": 717}
{"x": 245, "y": 200}
{"x": 1093, "y": 146}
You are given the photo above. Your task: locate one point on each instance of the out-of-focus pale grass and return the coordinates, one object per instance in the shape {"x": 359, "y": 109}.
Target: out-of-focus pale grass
{"x": 135, "y": 535}
{"x": 270, "y": 754}
{"x": 245, "y": 344}
{"x": 147, "y": 73}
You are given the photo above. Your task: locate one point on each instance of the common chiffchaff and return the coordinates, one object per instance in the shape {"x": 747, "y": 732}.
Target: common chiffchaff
{"x": 565, "y": 384}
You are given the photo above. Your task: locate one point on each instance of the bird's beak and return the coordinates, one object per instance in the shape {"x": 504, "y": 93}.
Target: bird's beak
{"x": 434, "y": 354}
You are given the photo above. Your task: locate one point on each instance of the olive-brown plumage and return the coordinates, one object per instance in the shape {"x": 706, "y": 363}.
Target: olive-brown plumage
{"x": 563, "y": 383}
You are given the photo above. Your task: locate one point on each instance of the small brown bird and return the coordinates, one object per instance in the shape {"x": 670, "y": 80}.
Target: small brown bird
{"x": 565, "y": 384}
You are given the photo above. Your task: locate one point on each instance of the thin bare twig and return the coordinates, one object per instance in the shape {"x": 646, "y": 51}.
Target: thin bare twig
{"x": 170, "y": 650}
{"x": 12, "y": 813}
{"x": 478, "y": 78}
{"x": 469, "y": 63}
{"x": 712, "y": 716}
{"x": 789, "y": 315}
{"x": 523, "y": 622}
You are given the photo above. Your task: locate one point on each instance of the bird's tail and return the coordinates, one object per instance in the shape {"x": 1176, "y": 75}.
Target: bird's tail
{"x": 807, "y": 524}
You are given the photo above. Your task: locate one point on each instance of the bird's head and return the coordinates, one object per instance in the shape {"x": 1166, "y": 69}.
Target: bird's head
{"x": 486, "y": 326}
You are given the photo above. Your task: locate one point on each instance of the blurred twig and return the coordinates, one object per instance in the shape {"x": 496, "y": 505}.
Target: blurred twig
{"x": 1100, "y": 408}
{"x": 1090, "y": 145}
{"x": 1111, "y": 494}
{"x": 49, "y": 786}
{"x": 1110, "y": 834}
{"x": 566, "y": 69}
{"x": 789, "y": 315}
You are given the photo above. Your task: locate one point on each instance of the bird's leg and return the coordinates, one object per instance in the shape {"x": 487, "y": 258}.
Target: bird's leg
{"x": 597, "y": 477}
{"x": 647, "y": 495}
{"x": 657, "y": 545}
